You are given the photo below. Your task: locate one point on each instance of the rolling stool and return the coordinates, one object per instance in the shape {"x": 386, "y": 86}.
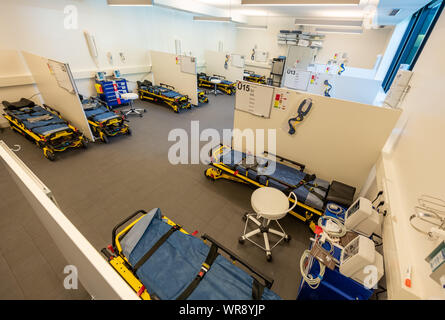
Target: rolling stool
{"x": 269, "y": 204}
{"x": 215, "y": 82}
{"x": 131, "y": 96}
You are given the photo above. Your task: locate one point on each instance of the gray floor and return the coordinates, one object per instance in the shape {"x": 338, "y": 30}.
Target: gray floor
{"x": 98, "y": 187}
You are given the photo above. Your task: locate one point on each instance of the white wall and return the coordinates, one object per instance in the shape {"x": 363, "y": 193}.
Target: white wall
{"x": 166, "y": 70}
{"x": 338, "y": 140}
{"x": 38, "y": 27}
{"x": 214, "y": 64}
{"x": 362, "y": 49}
{"x": 415, "y": 166}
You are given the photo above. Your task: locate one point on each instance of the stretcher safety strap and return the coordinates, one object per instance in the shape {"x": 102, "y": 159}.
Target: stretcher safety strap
{"x": 211, "y": 256}
{"x": 155, "y": 247}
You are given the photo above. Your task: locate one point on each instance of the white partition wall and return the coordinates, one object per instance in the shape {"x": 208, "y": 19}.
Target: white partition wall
{"x": 215, "y": 65}
{"x": 166, "y": 68}
{"x": 95, "y": 274}
{"x": 47, "y": 81}
{"x": 338, "y": 140}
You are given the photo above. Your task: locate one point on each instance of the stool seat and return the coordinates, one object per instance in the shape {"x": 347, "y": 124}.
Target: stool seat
{"x": 270, "y": 203}
{"x": 217, "y": 81}
{"x": 129, "y": 96}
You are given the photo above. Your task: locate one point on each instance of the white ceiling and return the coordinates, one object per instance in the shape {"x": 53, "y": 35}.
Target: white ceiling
{"x": 381, "y": 8}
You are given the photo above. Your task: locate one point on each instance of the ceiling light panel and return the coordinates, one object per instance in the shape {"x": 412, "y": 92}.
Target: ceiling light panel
{"x": 130, "y": 2}
{"x": 339, "y": 30}
{"x": 300, "y": 2}
{"x": 321, "y": 22}
{"x": 211, "y": 18}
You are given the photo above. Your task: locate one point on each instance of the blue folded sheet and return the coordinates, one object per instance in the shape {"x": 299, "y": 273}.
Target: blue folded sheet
{"x": 50, "y": 129}
{"x": 169, "y": 271}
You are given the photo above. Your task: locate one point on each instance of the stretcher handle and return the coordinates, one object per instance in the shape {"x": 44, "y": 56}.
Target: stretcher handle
{"x": 234, "y": 257}
{"x": 51, "y": 109}
{"x": 167, "y": 85}
{"x": 219, "y": 76}
{"x": 217, "y": 146}
{"x": 120, "y": 224}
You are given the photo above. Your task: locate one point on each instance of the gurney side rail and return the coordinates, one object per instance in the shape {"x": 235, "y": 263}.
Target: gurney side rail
{"x": 120, "y": 224}
{"x": 51, "y": 109}
{"x": 302, "y": 166}
{"x": 167, "y": 86}
{"x": 268, "y": 282}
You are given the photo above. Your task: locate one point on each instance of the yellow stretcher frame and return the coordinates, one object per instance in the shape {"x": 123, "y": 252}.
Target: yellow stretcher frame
{"x": 41, "y": 140}
{"x": 219, "y": 170}
{"x": 259, "y": 80}
{"x": 120, "y": 263}
{"x": 202, "y": 98}
{"x": 98, "y": 131}
{"x": 172, "y": 103}
{"x": 228, "y": 89}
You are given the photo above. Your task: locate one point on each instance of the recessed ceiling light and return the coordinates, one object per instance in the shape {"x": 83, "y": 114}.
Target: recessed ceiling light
{"x": 133, "y": 3}
{"x": 339, "y": 30}
{"x": 324, "y": 22}
{"x": 213, "y": 19}
{"x": 249, "y": 26}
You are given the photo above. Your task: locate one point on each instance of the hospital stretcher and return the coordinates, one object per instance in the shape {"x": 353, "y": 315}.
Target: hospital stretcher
{"x": 103, "y": 122}
{"x": 44, "y": 126}
{"x": 202, "y": 97}
{"x": 281, "y": 173}
{"x": 161, "y": 261}
{"x": 253, "y": 77}
{"x": 163, "y": 93}
{"x": 204, "y": 81}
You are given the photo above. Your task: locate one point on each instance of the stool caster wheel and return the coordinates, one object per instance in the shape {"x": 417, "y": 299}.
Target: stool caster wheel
{"x": 245, "y": 216}
{"x": 287, "y": 238}
{"x": 140, "y": 116}
{"x": 269, "y": 257}
{"x": 145, "y": 110}
{"x": 241, "y": 240}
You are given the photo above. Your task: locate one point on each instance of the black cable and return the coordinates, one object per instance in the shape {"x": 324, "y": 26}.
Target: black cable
{"x": 378, "y": 195}
{"x": 381, "y": 203}
{"x": 35, "y": 94}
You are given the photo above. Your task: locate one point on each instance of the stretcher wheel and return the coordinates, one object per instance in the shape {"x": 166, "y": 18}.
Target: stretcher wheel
{"x": 241, "y": 240}
{"x": 268, "y": 256}
{"x": 104, "y": 138}
{"x": 207, "y": 176}
{"x": 129, "y": 131}
{"x": 50, "y": 155}
{"x": 245, "y": 217}
{"x": 84, "y": 144}
{"x": 287, "y": 238}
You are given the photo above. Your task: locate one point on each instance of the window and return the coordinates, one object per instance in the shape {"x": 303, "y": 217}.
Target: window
{"x": 414, "y": 39}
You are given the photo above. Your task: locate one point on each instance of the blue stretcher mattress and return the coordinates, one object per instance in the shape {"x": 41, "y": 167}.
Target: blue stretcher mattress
{"x": 171, "y": 94}
{"x": 226, "y": 82}
{"x": 100, "y": 114}
{"x": 177, "y": 262}
{"x": 50, "y": 124}
{"x": 283, "y": 173}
